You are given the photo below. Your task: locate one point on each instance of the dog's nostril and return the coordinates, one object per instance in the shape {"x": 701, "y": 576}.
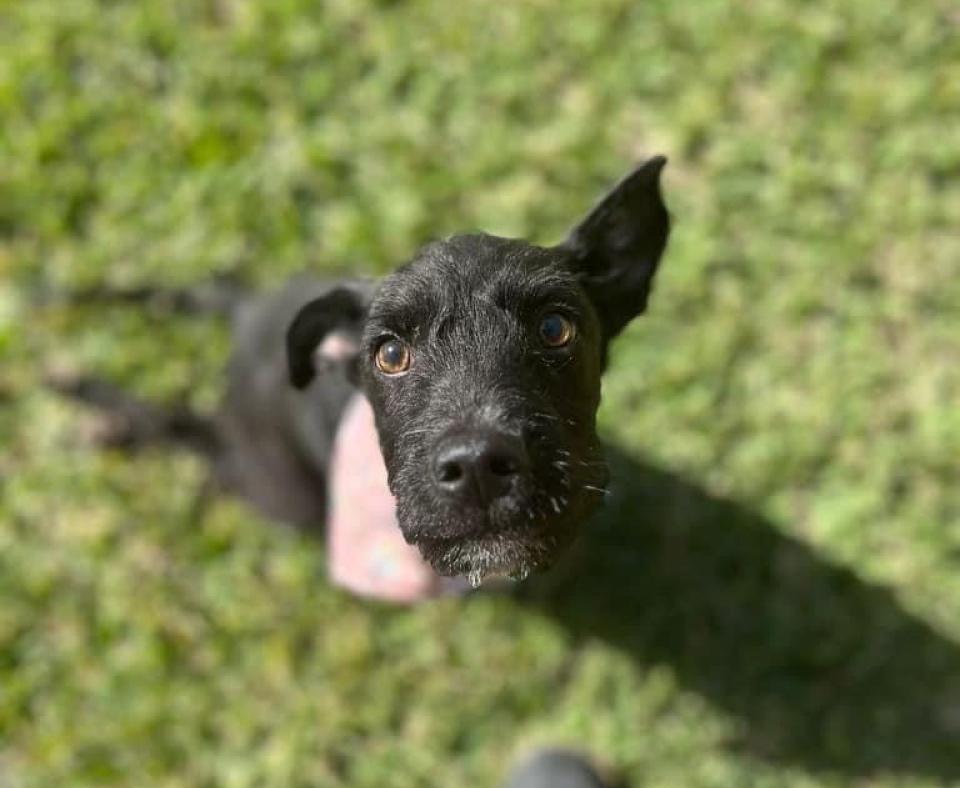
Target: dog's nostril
{"x": 502, "y": 465}
{"x": 449, "y": 472}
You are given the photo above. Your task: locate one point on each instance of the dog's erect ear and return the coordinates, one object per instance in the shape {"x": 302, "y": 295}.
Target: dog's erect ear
{"x": 326, "y": 330}
{"x": 616, "y": 249}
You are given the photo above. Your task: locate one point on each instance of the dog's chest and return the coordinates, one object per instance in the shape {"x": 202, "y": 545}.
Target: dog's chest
{"x": 367, "y": 553}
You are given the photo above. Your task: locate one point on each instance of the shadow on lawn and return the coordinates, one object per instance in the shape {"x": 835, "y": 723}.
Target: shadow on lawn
{"x": 823, "y": 669}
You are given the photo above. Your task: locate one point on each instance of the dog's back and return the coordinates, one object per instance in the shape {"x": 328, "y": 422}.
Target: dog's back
{"x": 276, "y": 440}
{"x": 268, "y": 442}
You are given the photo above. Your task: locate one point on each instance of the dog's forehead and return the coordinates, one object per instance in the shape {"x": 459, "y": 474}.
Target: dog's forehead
{"x": 473, "y": 268}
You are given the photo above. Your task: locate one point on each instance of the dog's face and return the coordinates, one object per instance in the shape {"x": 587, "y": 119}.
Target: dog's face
{"x": 482, "y": 360}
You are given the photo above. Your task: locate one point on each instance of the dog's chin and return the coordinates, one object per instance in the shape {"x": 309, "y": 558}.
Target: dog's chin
{"x": 480, "y": 557}
{"x": 514, "y": 552}
{"x": 513, "y": 539}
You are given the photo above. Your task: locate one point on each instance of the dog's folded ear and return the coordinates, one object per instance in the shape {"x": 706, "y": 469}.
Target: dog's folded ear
{"x": 616, "y": 249}
{"x": 326, "y": 331}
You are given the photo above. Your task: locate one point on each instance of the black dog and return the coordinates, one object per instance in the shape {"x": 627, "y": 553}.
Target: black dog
{"x": 482, "y": 361}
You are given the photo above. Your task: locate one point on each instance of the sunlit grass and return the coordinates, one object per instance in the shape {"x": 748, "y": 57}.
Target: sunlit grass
{"x": 801, "y": 359}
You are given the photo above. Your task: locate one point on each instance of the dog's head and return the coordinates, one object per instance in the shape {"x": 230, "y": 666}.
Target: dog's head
{"x": 482, "y": 360}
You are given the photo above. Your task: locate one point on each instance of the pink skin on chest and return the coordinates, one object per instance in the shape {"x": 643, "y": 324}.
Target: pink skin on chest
{"x": 367, "y": 553}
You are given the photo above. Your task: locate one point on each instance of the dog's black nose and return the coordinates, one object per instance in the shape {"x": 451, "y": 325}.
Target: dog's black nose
{"x": 478, "y": 467}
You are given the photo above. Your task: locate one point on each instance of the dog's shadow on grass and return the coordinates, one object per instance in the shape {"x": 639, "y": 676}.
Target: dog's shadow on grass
{"x": 823, "y": 669}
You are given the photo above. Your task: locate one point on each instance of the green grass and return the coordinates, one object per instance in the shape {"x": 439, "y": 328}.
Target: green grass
{"x": 773, "y": 596}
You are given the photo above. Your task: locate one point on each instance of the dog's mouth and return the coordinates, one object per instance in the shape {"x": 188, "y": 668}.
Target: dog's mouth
{"x": 484, "y": 521}
{"x": 508, "y": 553}
{"x": 512, "y": 541}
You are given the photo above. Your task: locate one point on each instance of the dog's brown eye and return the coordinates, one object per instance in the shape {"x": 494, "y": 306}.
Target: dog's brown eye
{"x": 556, "y": 330}
{"x": 393, "y": 357}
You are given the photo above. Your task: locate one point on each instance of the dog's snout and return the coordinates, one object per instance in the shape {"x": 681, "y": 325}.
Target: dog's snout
{"x": 478, "y": 468}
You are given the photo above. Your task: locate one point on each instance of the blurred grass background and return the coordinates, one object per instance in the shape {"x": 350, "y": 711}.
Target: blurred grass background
{"x": 774, "y": 597}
